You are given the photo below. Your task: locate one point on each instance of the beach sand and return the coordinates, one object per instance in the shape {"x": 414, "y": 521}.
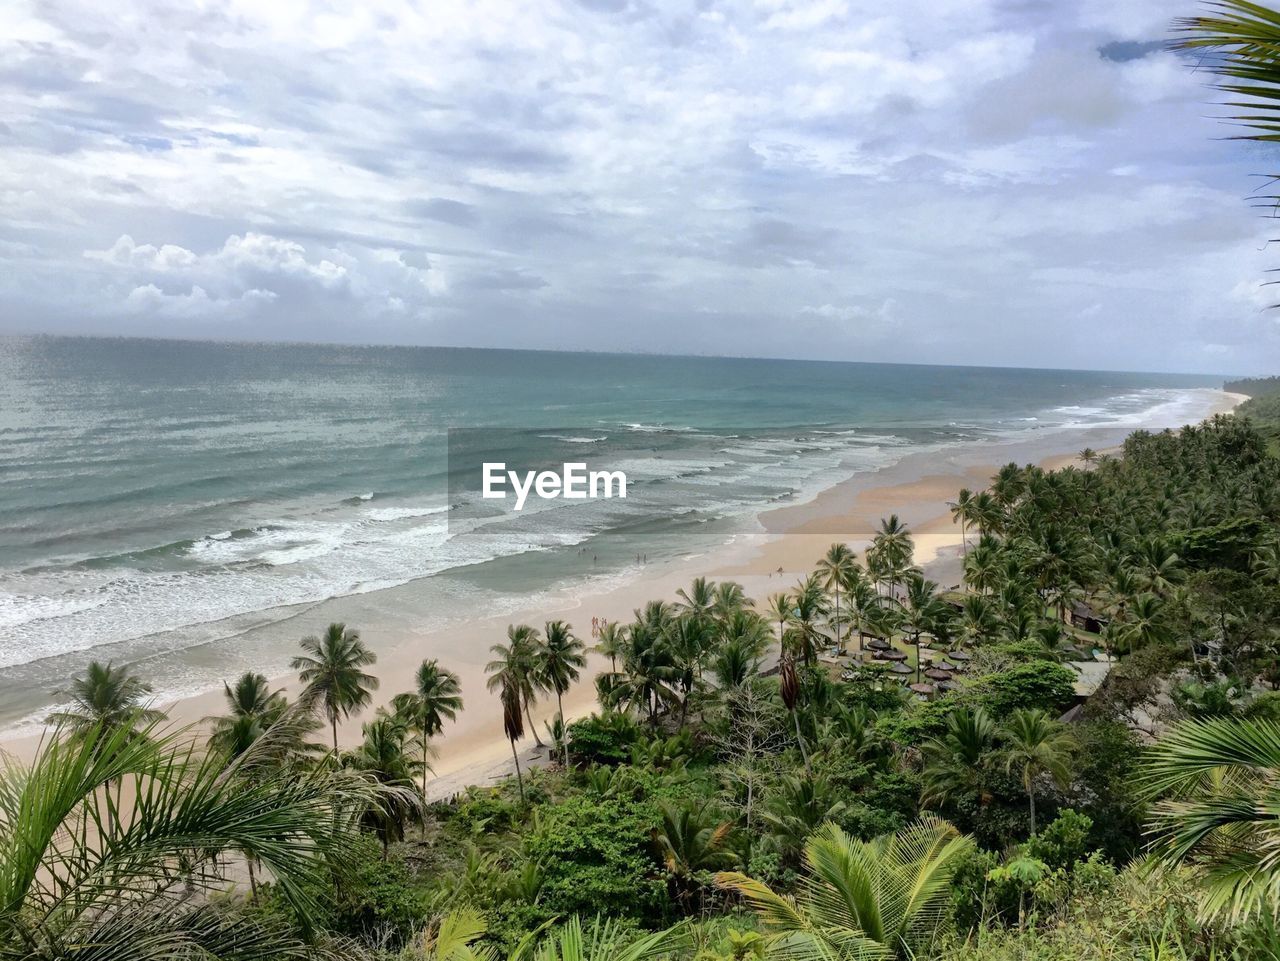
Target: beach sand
{"x": 787, "y": 544}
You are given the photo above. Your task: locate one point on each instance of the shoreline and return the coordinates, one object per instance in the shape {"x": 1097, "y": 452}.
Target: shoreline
{"x": 790, "y": 538}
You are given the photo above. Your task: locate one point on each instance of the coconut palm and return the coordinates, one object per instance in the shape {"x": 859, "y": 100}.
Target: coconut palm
{"x": 782, "y": 609}
{"x": 955, "y": 764}
{"x": 104, "y": 699}
{"x": 252, "y": 709}
{"x": 79, "y": 881}
{"x": 333, "y": 675}
{"x": 789, "y": 688}
{"x": 795, "y": 807}
{"x": 649, "y": 674}
{"x": 513, "y": 724}
{"x": 383, "y": 757}
{"x": 612, "y": 640}
{"x": 436, "y": 698}
{"x": 515, "y": 665}
{"x": 601, "y": 940}
{"x": 1032, "y": 744}
{"x": 809, "y": 604}
{"x": 962, "y": 512}
{"x": 835, "y": 570}
{"x": 1216, "y": 788}
{"x": 690, "y": 839}
{"x": 862, "y": 599}
{"x": 1245, "y": 38}
{"x": 559, "y": 662}
{"x": 861, "y": 899}
{"x": 699, "y": 600}
{"x": 923, "y": 611}
{"x": 891, "y": 551}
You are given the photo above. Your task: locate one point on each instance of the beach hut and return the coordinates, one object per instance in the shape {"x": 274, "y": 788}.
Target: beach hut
{"x": 1085, "y": 618}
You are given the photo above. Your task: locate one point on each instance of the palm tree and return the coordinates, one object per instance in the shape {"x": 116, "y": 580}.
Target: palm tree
{"x": 700, "y": 600}
{"x": 782, "y": 608}
{"x": 648, "y": 672}
{"x": 1245, "y": 37}
{"x": 515, "y": 665}
{"x": 864, "y": 602}
{"x": 382, "y": 757}
{"x": 1034, "y": 744}
{"x": 1216, "y": 787}
{"x": 861, "y": 899}
{"x": 808, "y": 606}
{"x": 691, "y": 839}
{"x": 104, "y": 699}
{"x": 513, "y": 724}
{"x": 922, "y": 611}
{"x": 78, "y": 881}
{"x": 835, "y": 570}
{"x": 955, "y": 764}
{"x": 602, "y": 940}
{"x": 1145, "y": 624}
{"x": 789, "y": 688}
{"x": 962, "y": 511}
{"x": 978, "y": 619}
{"x": 253, "y": 707}
{"x": 436, "y": 698}
{"x": 612, "y": 641}
{"x": 891, "y": 550}
{"x": 331, "y": 671}
{"x": 560, "y": 660}
{"x": 796, "y": 807}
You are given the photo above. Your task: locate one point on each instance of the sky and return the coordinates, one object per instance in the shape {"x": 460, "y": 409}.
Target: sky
{"x": 1030, "y": 183}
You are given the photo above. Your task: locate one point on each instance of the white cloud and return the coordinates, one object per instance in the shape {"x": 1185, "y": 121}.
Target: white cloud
{"x": 673, "y": 174}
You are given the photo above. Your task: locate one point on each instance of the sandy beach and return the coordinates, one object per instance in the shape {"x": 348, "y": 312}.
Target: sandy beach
{"x": 787, "y": 543}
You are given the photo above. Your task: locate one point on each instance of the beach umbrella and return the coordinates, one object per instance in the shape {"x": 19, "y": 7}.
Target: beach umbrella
{"x": 878, "y": 644}
{"x": 948, "y": 686}
{"x": 895, "y": 656}
{"x": 945, "y": 666}
{"x": 938, "y": 675}
{"x": 924, "y": 689}
{"x": 901, "y": 669}
{"x": 960, "y": 656}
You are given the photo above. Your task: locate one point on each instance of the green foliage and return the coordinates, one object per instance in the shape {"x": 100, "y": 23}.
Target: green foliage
{"x": 1063, "y": 841}
{"x": 597, "y": 859}
{"x": 1028, "y": 686}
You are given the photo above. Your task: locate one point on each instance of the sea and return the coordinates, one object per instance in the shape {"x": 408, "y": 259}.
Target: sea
{"x": 181, "y": 506}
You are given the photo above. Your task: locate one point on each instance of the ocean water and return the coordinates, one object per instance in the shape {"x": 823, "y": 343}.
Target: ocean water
{"x": 181, "y": 503}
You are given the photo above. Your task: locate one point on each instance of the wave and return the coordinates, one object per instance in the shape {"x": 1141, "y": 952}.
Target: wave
{"x": 568, "y": 439}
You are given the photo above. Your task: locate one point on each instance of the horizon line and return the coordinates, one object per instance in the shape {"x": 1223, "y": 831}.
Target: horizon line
{"x": 286, "y": 342}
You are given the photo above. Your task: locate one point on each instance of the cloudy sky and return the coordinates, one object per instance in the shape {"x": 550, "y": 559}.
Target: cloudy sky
{"x": 1029, "y": 182}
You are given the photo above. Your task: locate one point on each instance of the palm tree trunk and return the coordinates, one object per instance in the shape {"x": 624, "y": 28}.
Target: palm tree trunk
{"x": 333, "y": 720}
{"x": 1031, "y": 797}
{"x": 253, "y": 881}
{"x": 529, "y": 714}
{"x": 564, "y": 728}
{"x": 426, "y": 748}
{"x": 519, "y": 777}
{"x": 839, "y": 638}
{"x": 795, "y": 716}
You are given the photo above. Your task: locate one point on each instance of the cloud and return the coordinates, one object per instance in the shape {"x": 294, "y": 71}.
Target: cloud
{"x": 1015, "y": 184}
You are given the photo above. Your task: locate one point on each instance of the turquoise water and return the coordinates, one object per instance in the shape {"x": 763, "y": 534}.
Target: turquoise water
{"x": 158, "y": 496}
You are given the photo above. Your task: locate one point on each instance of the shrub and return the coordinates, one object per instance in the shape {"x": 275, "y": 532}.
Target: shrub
{"x": 603, "y": 738}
